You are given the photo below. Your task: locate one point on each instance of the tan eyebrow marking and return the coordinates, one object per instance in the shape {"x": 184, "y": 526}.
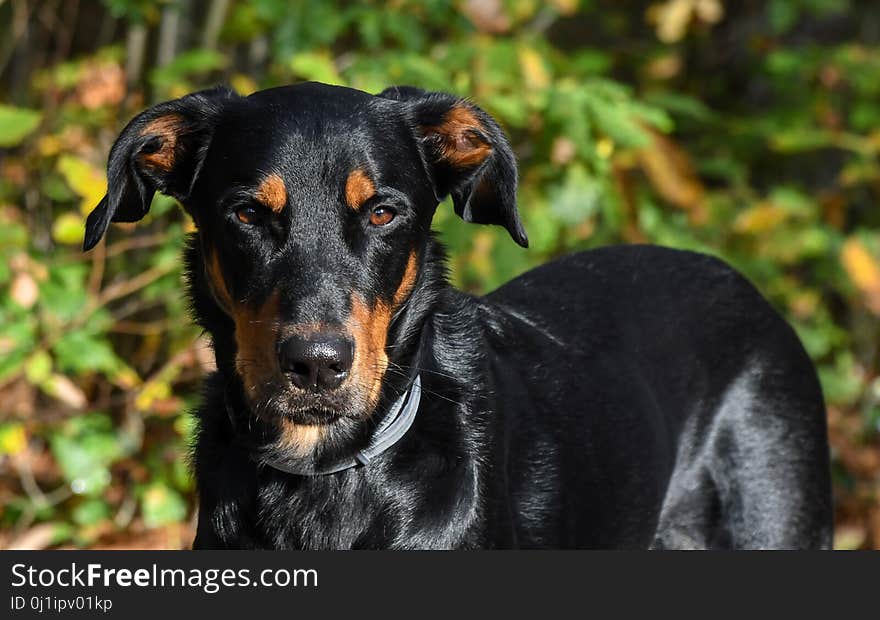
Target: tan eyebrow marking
{"x": 272, "y": 193}
{"x": 166, "y": 127}
{"x": 358, "y": 189}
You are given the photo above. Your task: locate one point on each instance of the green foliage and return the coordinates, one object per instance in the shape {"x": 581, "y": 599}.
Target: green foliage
{"x": 16, "y": 124}
{"x": 747, "y": 130}
{"x": 162, "y": 505}
{"x": 84, "y": 447}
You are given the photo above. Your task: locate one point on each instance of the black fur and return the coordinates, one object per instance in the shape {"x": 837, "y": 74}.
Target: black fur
{"x": 624, "y": 397}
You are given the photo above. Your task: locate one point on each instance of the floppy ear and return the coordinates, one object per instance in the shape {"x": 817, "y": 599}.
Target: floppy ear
{"x": 161, "y": 149}
{"x": 467, "y": 156}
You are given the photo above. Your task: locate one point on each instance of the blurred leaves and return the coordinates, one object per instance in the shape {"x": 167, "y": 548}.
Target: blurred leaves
{"x": 673, "y": 17}
{"x": 315, "y": 66}
{"x": 13, "y": 439}
{"x": 175, "y": 77}
{"x": 162, "y": 505}
{"x": 16, "y": 124}
{"x": 87, "y": 180}
{"x": 863, "y": 268}
{"x": 84, "y": 447}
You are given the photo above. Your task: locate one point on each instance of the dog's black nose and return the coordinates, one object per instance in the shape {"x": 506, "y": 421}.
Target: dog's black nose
{"x": 316, "y": 362}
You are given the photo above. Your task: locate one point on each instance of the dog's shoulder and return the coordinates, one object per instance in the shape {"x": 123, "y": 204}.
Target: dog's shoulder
{"x": 620, "y": 304}
{"x": 627, "y": 279}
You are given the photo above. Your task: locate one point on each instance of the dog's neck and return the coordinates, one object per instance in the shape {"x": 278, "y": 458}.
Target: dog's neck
{"x": 393, "y": 426}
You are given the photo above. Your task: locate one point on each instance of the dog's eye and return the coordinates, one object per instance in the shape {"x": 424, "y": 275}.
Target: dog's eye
{"x": 380, "y": 216}
{"x": 247, "y": 215}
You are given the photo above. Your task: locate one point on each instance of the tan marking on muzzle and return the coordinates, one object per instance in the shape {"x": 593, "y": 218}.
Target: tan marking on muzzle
{"x": 459, "y": 144}
{"x": 300, "y": 439}
{"x": 370, "y": 329}
{"x": 272, "y": 193}
{"x": 256, "y": 331}
{"x": 369, "y": 326}
{"x": 358, "y": 189}
{"x": 167, "y": 128}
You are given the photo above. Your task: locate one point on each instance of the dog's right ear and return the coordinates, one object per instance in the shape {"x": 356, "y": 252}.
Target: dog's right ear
{"x": 466, "y": 155}
{"x": 161, "y": 149}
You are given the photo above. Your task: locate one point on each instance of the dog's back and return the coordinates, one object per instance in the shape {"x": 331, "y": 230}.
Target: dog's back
{"x": 652, "y": 397}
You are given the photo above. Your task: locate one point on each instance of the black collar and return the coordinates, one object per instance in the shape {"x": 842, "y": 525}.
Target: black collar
{"x": 392, "y": 428}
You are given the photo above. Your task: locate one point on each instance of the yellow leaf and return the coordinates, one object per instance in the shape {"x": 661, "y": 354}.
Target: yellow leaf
{"x": 710, "y": 11}
{"x": 151, "y": 391}
{"x": 605, "y": 147}
{"x": 87, "y": 181}
{"x": 68, "y": 228}
{"x": 243, "y": 84}
{"x": 672, "y": 18}
{"x": 760, "y": 218}
{"x": 49, "y": 146}
{"x": 533, "y": 68}
{"x": 126, "y": 378}
{"x": 863, "y": 270}
{"x": 38, "y": 367}
{"x": 13, "y": 439}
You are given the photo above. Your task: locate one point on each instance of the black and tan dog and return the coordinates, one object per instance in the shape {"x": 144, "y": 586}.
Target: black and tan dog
{"x": 623, "y": 397}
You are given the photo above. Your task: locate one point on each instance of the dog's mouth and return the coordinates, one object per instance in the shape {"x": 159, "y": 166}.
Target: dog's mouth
{"x": 300, "y": 422}
{"x": 310, "y": 409}
{"x": 282, "y": 402}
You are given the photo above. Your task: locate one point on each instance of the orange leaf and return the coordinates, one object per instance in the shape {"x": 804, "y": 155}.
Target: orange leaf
{"x": 671, "y": 173}
{"x": 863, "y": 270}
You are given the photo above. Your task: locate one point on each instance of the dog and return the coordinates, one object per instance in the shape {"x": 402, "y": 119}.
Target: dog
{"x": 623, "y": 397}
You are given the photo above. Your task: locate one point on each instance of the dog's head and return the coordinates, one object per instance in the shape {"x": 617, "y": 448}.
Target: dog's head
{"x": 313, "y": 206}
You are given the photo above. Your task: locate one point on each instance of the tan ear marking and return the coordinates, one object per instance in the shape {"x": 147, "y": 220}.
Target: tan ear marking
{"x": 272, "y": 193}
{"x": 358, "y": 189}
{"x": 167, "y": 128}
{"x": 459, "y": 137}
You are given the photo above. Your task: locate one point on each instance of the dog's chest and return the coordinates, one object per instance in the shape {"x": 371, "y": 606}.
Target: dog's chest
{"x": 323, "y": 513}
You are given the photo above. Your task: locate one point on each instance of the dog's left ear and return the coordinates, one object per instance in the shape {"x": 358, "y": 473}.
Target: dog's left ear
{"x": 467, "y": 156}
{"x": 161, "y": 149}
